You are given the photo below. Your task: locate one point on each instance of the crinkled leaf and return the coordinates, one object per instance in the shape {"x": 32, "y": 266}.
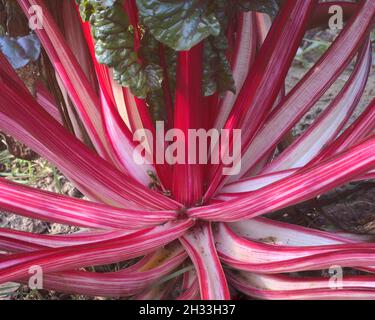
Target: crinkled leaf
{"x": 154, "y": 76}
{"x": 171, "y": 62}
{"x": 155, "y": 100}
{"x": 114, "y": 46}
{"x": 217, "y": 72}
{"x": 86, "y": 9}
{"x": 149, "y": 52}
{"x": 209, "y": 79}
{"x": 179, "y": 24}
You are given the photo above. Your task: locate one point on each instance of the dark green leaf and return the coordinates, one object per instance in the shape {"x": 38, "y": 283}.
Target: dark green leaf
{"x": 150, "y": 54}
{"x": 217, "y": 72}
{"x": 114, "y": 46}
{"x": 179, "y": 24}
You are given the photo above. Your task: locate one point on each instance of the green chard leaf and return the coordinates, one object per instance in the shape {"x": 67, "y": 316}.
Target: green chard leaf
{"x": 217, "y": 72}
{"x": 179, "y": 24}
{"x": 171, "y": 62}
{"x": 114, "y": 46}
{"x": 149, "y": 53}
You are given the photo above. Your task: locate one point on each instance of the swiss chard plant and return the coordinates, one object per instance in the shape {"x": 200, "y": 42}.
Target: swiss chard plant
{"x": 188, "y": 230}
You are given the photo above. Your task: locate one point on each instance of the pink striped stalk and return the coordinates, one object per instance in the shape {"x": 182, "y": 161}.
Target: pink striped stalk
{"x": 141, "y": 119}
{"x": 172, "y": 229}
{"x": 76, "y": 41}
{"x": 47, "y": 101}
{"x": 265, "y": 80}
{"x": 118, "y": 133}
{"x": 330, "y": 123}
{"x": 303, "y": 185}
{"x": 126, "y": 282}
{"x": 269, "y": 258}
{"x": 263, "y": 25}
{"x": 200, "y": 246}
{"x": 287, "y": 288}
{"x": 360, "y": 129}
{"x": 72, "y": 76}
{"x": 314, "y": 84}
{"x": 235, "y": 189}
{"x": 108, "y": 251}
{"x": 54, "y": 143}
{"x": 187, "y": 178}
{"x": 121, "y": 140}
{"x": 244, "y": 55}
{"x": 189, "y": 287}
{"x": 55, "y": 241}
{"x": 133, "y": 240}
{"x": 280, "y": 233}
